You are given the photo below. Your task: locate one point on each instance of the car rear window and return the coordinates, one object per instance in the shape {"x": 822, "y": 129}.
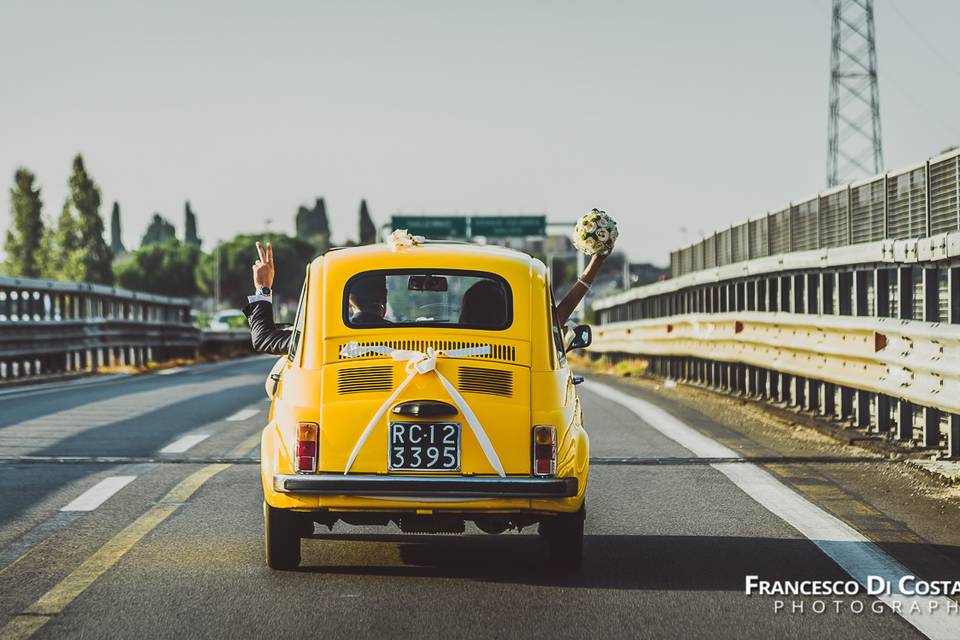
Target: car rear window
{"x": 429, "y": 298}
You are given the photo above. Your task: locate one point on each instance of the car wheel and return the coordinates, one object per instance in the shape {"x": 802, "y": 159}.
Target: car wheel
{"x": 563, "y": 534}
{"x": 281, "y": 537}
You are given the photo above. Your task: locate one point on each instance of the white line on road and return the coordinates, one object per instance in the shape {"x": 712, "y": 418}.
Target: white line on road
{"x": 47, "y": 387}
{"x": 185, "y": 443}
{"x": 98, "y": 493}
{"x": 170, "y": 372}
{"x": 853, "y": 552}
{"x": 243, "y": 414}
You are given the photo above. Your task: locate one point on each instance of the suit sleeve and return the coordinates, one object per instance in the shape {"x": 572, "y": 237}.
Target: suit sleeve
{"x": 264, "y": 334}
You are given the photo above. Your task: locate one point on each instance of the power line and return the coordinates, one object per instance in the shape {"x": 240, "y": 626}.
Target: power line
{"x": 920, "y": 106}
{"x": 926, "y": 41}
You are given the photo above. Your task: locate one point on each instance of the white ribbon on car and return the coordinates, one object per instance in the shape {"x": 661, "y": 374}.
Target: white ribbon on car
{"x": 419, "y": 363}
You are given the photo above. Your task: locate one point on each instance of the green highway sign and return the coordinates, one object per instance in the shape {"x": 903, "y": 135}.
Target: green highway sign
{"x": 436, "y": 227}
{"x": 441, "y": 227}
{"x": 508, "y": 226}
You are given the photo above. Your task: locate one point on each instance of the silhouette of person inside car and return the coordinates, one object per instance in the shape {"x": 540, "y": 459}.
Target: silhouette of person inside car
{"x": 484, "y": 305}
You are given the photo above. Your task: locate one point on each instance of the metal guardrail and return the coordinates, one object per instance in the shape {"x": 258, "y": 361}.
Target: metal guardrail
{"x": 889, "y": 376}
{"x": 868, "y": 333}
{"x": 914, "y": 202}
{"x": 51, "y": 328}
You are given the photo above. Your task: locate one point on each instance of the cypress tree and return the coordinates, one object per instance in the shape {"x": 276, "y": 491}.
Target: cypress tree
{"x": 190, "y": 226}
{"x": 303, "y": 223}
{"x": 160, "y": 230}
{"x": 116, "y": 241}
{"x": 321, "y": 224}
{"x": 63, "y": 247}
{"x": 368, "y": 230}
{"x": 24, "y": 243}
{"x": 313, "y": 226}
{"x": 94, "y": 258}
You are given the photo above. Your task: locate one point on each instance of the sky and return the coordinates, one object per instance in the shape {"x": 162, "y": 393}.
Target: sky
{"x": 677, "y": 118}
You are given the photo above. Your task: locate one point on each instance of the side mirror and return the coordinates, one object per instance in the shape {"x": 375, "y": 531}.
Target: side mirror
{"x": 582, "y": 337}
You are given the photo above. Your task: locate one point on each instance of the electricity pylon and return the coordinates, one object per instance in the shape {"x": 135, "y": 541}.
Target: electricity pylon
{"x": 854, "y": 147}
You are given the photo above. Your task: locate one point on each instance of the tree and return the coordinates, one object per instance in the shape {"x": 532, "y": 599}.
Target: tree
{"x": 236, "y": 256}
{"x": 165, "y": 268}
{"x": 159, "y": 230}
{"x": 62, "y": 248}
{"x": 368, "y": 230}
{"x": 95, "y": 259}
{"x": 190, "y": 226}
{"x": 116, "y": 241}
{"x": 24, "y": 243}
{"x": 313, "y": 225}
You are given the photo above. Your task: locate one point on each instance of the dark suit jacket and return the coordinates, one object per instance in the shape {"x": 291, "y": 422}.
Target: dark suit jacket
{"x": 265, "y": 335}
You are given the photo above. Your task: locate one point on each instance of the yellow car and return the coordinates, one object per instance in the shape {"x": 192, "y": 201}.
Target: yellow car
{"x": 426, "y": 386}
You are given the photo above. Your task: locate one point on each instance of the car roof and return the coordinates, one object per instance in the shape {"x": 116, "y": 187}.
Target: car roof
{"x": 429, "y": 254}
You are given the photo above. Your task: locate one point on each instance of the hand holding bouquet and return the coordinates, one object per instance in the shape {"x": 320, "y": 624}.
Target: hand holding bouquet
{"x": 595, "y": 233}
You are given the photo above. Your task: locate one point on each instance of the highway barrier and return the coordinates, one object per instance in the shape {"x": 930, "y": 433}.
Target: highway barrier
{"x": 864, "y": 328}
{"x": 52, "y": 328}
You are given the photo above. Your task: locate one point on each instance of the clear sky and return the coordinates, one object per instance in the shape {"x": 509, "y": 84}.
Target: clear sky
{"x": 676, "y": 117}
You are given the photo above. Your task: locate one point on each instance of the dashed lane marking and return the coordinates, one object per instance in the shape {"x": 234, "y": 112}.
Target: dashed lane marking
{"x": 851, "y": 550}
{"x": 43, "y": 532}
{"x": 243, "y": 414}
{"x": 171, "y": 371}
{"x": 54, "y": 601}
{"x": 98, "y": 493}
{"x": 185, "y": 443}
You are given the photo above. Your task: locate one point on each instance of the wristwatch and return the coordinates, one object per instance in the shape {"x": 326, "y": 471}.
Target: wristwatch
{"x": 264, "y": 291}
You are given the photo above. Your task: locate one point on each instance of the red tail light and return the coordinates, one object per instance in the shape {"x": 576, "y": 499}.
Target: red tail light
{"x": 544, "y": 450}
{"x": 306, "y": 456}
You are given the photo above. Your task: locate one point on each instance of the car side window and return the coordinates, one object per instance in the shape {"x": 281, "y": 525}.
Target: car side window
{"x": 556, "y": 334}
{"x": 298, "y": 324}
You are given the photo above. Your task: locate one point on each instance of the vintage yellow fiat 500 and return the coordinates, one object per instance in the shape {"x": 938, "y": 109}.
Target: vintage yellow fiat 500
{"x": 427, "y": 386}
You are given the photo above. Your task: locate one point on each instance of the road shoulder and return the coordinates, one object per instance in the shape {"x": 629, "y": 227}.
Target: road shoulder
{"x": 907, "y": 511}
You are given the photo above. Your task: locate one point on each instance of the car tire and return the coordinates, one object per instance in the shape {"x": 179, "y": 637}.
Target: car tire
{"x": 563, "y": 534}
{"x": 281, "y": 537}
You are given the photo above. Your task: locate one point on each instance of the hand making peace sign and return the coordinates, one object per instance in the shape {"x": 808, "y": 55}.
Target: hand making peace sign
{"x": 263, "y": 269}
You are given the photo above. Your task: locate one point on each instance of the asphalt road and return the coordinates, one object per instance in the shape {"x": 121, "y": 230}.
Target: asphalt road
{"x": 174, "y": 549}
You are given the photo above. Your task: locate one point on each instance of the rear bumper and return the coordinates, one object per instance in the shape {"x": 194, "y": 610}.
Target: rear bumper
{"x": 419, "y": 486}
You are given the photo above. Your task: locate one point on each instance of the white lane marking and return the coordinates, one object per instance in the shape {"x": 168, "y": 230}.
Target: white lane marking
{"x": 170, "y": 372}
{"x": 98, "y": 493}
{"x": 852, "y": 551}
{"x": 47, "y": 387}
{"x": 243, "y": 414}
{"x": 185, "y": 443}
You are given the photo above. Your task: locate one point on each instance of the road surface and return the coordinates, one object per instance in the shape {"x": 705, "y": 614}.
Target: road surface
{"x": 157, "y": 539}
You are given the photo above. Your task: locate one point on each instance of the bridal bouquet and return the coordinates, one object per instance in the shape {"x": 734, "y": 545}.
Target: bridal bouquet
{"x": 596, "y": 232}
{"x": 401, "y": 239}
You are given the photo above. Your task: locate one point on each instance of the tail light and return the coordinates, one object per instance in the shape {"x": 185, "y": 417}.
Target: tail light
{"x": 306, "y": 458}
{"x": 544, "y": 450}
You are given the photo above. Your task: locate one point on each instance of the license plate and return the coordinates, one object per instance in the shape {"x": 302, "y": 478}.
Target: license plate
{"x": 424, "y": 446}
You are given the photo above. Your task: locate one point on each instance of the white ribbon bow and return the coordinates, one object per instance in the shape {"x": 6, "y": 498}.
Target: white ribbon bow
{"x": 419, "y": 363}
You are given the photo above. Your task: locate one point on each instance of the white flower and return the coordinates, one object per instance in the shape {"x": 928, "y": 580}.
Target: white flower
{"x": 401, "y": 239}
{"x": 595, "y": 232}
